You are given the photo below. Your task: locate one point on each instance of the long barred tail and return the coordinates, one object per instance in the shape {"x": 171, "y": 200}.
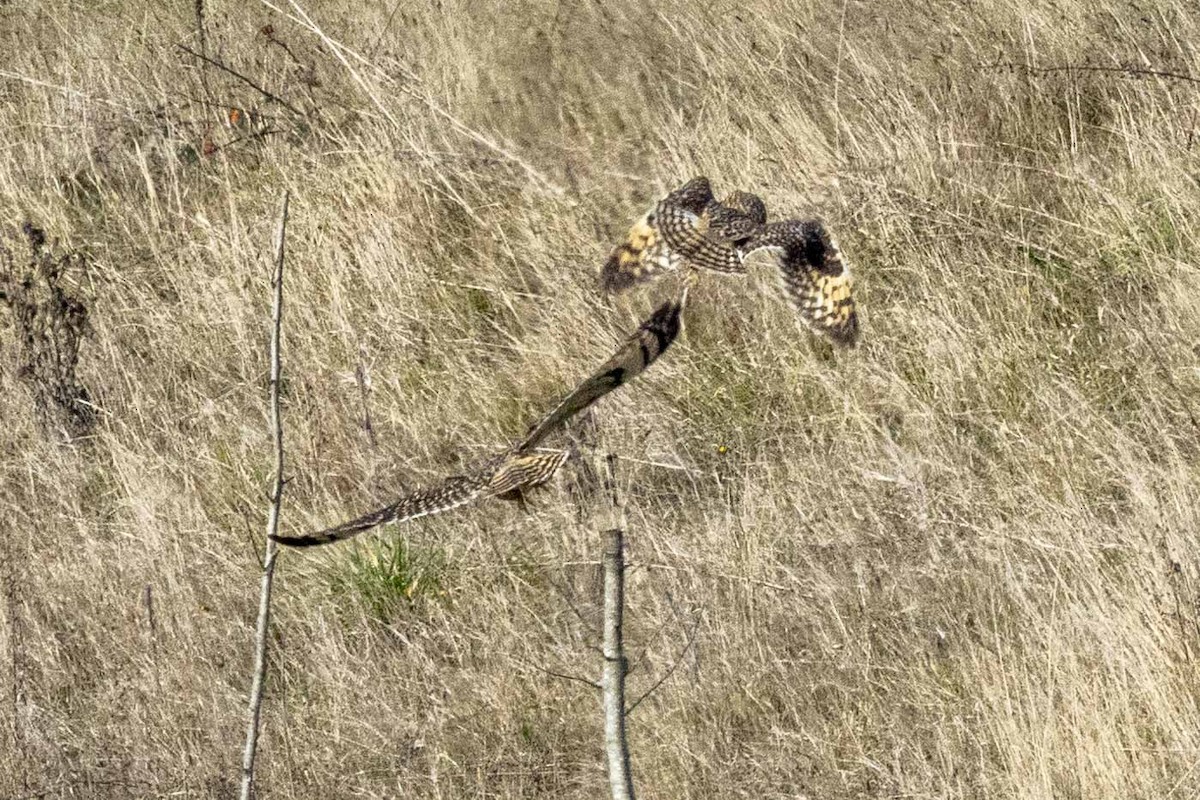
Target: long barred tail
{"x": 448, "y": 494}
{"x": 639, "y": 351}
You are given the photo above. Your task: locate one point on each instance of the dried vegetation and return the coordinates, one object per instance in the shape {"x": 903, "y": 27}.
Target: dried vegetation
{"x": 958, "y": 562}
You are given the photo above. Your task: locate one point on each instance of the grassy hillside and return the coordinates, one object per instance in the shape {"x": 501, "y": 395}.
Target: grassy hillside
{"x": 959, "y": 561}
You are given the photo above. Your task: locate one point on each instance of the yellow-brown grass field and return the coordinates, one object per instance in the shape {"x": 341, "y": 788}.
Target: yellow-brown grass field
{"x": 958, "y": 561}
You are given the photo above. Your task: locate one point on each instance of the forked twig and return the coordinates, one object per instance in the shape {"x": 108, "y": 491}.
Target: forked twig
{"x": 264, "y": 602}
{"x": 691, "y": 639}
{"x": 249, "y": 82}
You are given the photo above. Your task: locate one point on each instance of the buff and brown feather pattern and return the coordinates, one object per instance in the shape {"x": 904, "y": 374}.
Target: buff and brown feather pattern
{"x": 736, "y": 218}
{"x": 517, "y": 469}
{"x": 679, "y": 230}
{"x": 815, "y": 278}
{"x": 689, "y": 228}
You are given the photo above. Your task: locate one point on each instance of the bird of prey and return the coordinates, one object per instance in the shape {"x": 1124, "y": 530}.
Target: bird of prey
{"x": 690, "y": 228}
{"x": 522, "y": 466}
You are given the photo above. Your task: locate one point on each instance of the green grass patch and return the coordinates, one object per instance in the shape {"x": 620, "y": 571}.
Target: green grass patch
{"x": 390, "y": 578}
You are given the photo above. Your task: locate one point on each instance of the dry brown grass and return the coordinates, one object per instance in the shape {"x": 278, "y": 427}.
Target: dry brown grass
{"x": 958, "y": 562}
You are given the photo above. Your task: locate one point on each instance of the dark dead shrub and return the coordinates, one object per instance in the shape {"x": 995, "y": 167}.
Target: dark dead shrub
{"x": 49, "y": 321}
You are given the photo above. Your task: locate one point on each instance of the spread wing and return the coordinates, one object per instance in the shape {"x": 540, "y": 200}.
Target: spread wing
{"x": 517, "y": 469}
{"x": 815, "y": 278}
{"x": 639, "y": 351}
{"x": 450, "y": 493}
{"x": 505, "y": 475}
{"x": 676, "y": 230}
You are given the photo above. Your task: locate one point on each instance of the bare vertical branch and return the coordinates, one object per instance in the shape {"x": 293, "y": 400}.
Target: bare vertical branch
{"x": 13, "y": 563}
{"x": 202, "y": 36}
{"x": 152, "y": 626}
{"x": 612, "y": 681}
{"x": 264, "y": 602}
{"x": 364, "y": 392}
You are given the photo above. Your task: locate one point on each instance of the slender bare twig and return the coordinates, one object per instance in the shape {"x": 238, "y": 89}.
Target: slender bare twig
{"x": 13, "y": 573}
{"x": 561, "y": 675}
{"x": 364, "y": 391}
{"x": 612, "y": 681}
{"x": 691, "y": 639}
{"x": 1129, "y": 70}
{"x": 202, "y": 40}
{"x": 148, "y": 599}
{"x": 264, "y": 602}
{"x": 256, "y": 87}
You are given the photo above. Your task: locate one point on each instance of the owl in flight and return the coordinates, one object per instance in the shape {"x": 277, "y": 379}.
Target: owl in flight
{"x": 690, "y": 228}
{"x": 508, "y": 474}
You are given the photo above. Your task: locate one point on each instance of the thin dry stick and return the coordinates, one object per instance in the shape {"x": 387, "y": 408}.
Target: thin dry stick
{"x": 148, "y": 599}
{"x": 231, "y": 71}
{"x": 612, "y": 681}
{"x": 13, "y": 573}
{"x": 202, "y": 37}
{"x": 364, "y": 392}
{"x": 264, "y": 601}
{"x": 691, "y": 639}
{"x": 1129, "y": 70}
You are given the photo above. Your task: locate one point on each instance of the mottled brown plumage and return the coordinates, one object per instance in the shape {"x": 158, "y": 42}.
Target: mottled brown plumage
{"x": 687, "y": 227}
{"x": 519, "y": 468}
{"x": 736, "y": 218}
{"x": 749, "y": 205}
{"x": 504, "y": 476}
{"x": 815, "y": 277}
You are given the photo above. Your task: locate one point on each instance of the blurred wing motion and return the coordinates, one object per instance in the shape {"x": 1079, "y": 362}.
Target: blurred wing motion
{"x": 517, "y": 469}
{"x": 639, "y": 351}
{"x": 504, "y": 476}
{"x": 815, "y": 278}
{"x": 686, "y": 226}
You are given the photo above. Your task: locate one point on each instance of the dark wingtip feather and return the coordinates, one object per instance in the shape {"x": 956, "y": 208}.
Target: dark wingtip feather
{"x": 301, "y": 541}
{"x": 612, "y": 278}
{"x": 664, "y": 323}
{"x": 846, "y": 336}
